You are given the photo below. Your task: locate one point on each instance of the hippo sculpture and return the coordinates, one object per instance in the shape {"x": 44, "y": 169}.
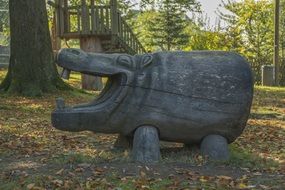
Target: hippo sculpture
{"x": 198, "y": 97}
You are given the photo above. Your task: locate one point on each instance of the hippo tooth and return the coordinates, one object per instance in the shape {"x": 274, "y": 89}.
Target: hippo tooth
{"x": 60, "y": 104}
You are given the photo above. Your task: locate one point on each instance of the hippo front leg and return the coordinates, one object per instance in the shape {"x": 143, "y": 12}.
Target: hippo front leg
{"x": 216, "y": 147}
{"x": 146, "y": 145}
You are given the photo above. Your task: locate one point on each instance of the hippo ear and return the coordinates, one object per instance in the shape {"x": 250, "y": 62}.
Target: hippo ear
{"x": 146, "y": 60}
{"x": 125, "y": 60}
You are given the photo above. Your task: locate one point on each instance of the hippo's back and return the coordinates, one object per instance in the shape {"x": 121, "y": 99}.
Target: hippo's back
{"x": 189, "y": 95}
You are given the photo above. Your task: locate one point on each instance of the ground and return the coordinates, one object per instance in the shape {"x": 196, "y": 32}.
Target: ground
{"x": 33, "y": 155}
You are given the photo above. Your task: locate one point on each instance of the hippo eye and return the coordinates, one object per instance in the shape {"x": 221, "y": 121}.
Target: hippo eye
{"x": 125, "y": 61}
{"x": 146, "y": 60}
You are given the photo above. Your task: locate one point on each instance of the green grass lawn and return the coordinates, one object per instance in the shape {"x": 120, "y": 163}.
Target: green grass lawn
{"x": 33, "y": 155}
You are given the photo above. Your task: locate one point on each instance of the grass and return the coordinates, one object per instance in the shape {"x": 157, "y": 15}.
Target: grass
{"x": 246, "y": 159}
{"x": 33, "y": 155}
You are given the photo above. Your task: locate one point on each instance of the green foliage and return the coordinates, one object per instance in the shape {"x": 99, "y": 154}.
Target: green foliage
{"x": 247, "y": 29}
{"x": 4, "y": 23}
{"x": 205, "y": 37}
{"x": 184, "y": 5}
{"x": 168, "y": 27}
{"x": 162, "y": 24}
{"x": 143, "y": 29}
{"x": 250, "y": 31}
{"x": 165, "y": 25}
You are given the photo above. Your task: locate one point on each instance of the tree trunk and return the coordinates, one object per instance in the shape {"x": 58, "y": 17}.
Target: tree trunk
{"x": 32, "y": 70}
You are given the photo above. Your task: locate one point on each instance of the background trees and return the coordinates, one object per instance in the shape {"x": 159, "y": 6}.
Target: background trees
{"x": 246, "y": 27}
{"x": 250, "y": 31}
{"x": 162, "y": 24}
{"x": 4, "y": 22}
{"x": 168, "y": 27}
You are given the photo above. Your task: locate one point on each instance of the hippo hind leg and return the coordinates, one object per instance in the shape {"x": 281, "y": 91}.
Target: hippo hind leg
{"x": 146, "y": 145}
{"x": 216, "y": 147}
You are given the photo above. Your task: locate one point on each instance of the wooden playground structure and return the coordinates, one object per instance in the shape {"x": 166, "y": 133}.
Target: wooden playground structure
{"x": 88, "y": 20}
{"x": 100, "y": 28}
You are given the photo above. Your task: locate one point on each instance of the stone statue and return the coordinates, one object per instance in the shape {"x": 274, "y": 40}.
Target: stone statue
{"x": 198, "y": 97}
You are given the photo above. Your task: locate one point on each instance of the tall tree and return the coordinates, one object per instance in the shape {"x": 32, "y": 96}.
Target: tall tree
{"x": 31, "y": 70}
{"x": 143, "y": 29}
{"x": 167, "y": 27}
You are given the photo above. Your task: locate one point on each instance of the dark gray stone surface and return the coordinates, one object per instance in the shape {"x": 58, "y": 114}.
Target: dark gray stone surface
{"x": 185, "y": 95}
{"x": 216, "y": 147}
{"x": 146, "y": 145}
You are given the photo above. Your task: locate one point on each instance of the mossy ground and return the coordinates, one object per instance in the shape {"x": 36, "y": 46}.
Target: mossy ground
{"x": 33, "y": 155}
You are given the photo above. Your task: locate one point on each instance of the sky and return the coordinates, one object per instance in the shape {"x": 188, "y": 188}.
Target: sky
{"x": 209, "y": 7}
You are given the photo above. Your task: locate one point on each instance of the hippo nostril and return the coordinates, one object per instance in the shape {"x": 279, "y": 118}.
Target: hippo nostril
{"x": 60, "y": 104}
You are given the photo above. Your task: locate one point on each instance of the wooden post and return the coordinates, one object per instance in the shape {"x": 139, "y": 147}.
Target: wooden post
{"x": 102, "y": 20}
{"x": 276, "y": 41}
{"x": 114, "y": 19}
{"x": 119, "y": 24}
{"x": 85, "y": 18}
{"x": 97, "y": 23}
{"x": 56, "y": 41}
{"x": 60, "y": 18}
{"x": 107, "y": 19}
{"x": 93, "y": 18}
{"x": 78, "y": 21}
{"x": 66, "y": 17}
{"x": 91, "y": 44}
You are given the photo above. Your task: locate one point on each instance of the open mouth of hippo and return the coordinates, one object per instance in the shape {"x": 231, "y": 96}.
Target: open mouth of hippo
{"x": 96, "y": 113}
{"x": 110, "y": 94}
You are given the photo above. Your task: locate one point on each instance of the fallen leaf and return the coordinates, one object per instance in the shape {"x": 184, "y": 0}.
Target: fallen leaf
{"x": 57, "y": 182}
{"x": 60, "y": 172}
{"x": 30, "y": 186}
